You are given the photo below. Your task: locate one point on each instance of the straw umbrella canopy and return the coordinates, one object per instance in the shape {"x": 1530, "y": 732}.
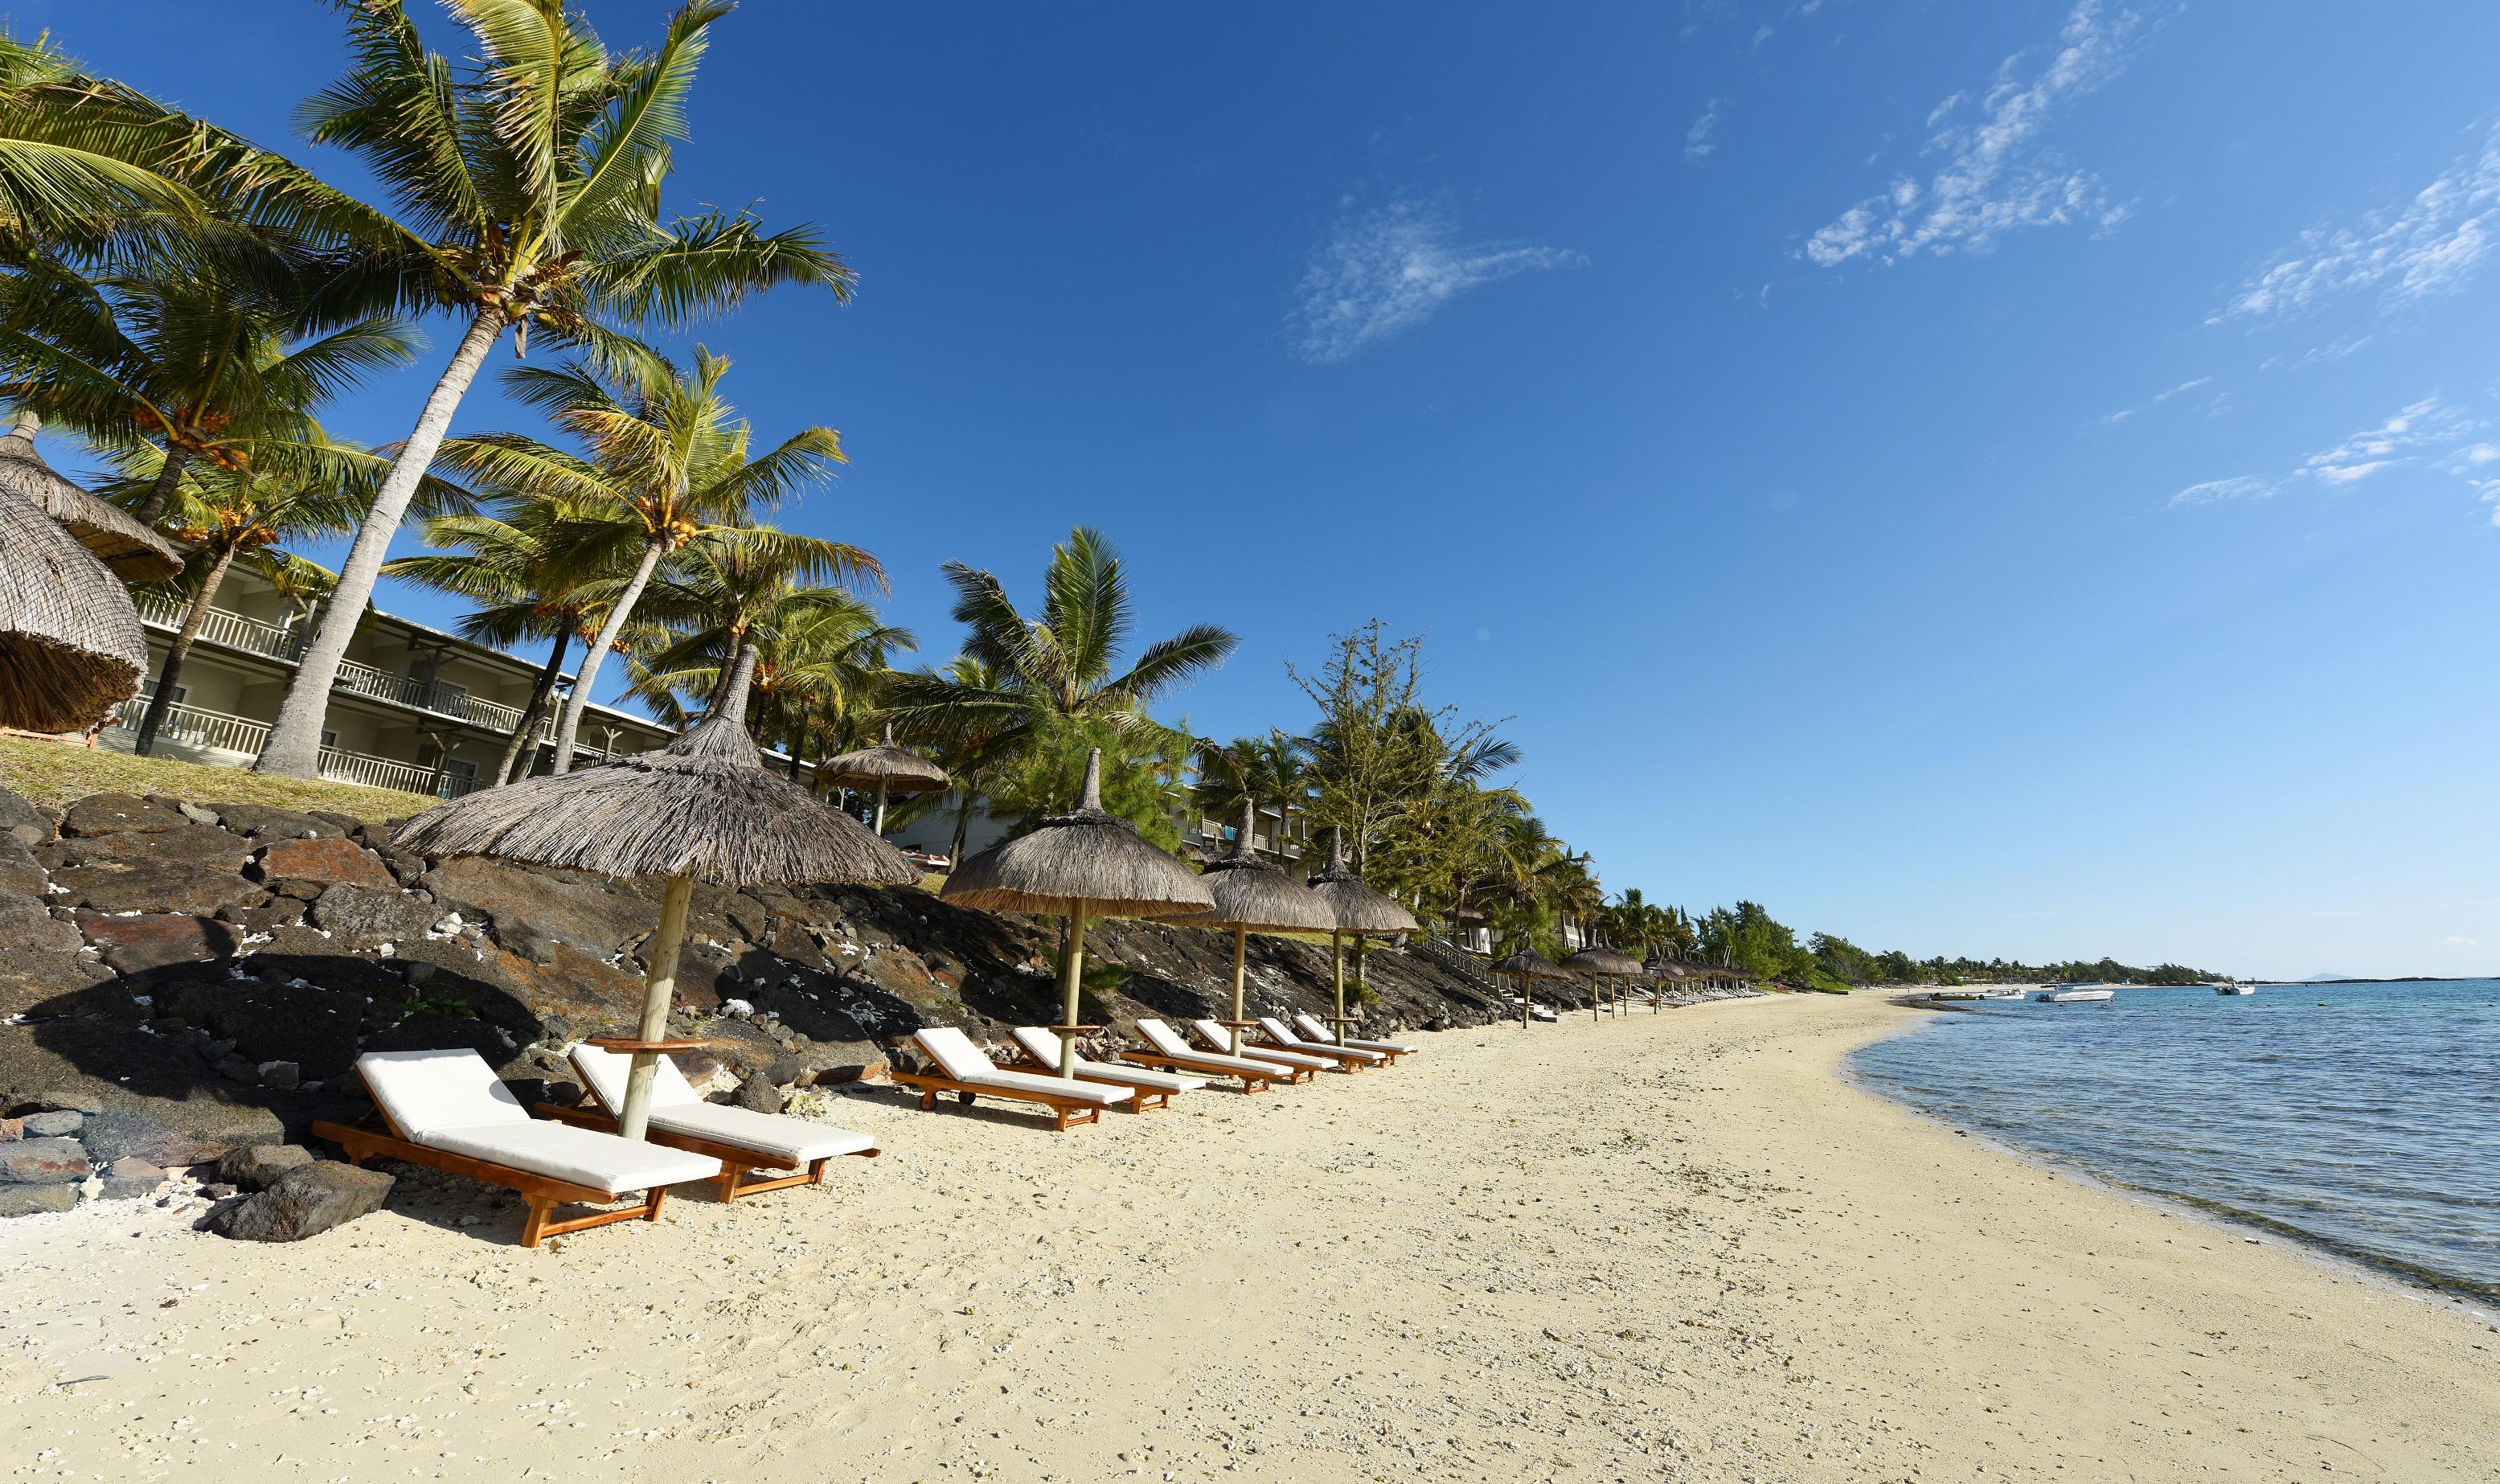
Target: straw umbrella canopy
{"x": 1525, "y": 965}
{"x": 1084, "y": 863}
{"x": 1360, "y": 911}
{"x": 1257, "y": 896}
{"x": 134, "y": 552}
{"x": 1600, "y": 963}
{"x": 887, "y": 769}
{"x": 702, "y": 808}
{"x": 71, "y": 648}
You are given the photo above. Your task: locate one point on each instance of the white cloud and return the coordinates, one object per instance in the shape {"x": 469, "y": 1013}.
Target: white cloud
{"x": 2431, "y": 247}
{"x": 2396, "y": 440}
{"x": 1994, "y": 178}
{"x": 2460, "y": 940}
{"x": 1698, "y": 140}
{"x": 2159, "y": 398}
{"x": 1391, "y": 268}
{"x": 2215, "y": 491}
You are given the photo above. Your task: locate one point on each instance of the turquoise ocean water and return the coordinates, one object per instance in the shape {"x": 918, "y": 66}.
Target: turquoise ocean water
{"x": 2364, "y": 1118}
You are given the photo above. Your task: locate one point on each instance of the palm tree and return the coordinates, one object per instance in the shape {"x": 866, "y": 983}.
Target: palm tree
{"x": 528, "y": 190}
{"x": 538, "y": 568}
{"x": 194, "y": 362}
{"x": 230, "y": 516}
{"x": 666, "y": 448}
{"x": 1062, "y": 663}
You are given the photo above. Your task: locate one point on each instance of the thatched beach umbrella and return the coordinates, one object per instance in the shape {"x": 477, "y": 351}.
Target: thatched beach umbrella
{"x": 71, "y": 648}
{"x": 1600, "y": 963}
{"x": 702, "y": 808}
{"x": 1084, "y": 863}
{"x": 887, "y": 769}
{"x": 134, "y": 552}
{"x": 1361, "y": 912}
{"x": 1525, "y": 966}
{"x": 1256, "y": 896}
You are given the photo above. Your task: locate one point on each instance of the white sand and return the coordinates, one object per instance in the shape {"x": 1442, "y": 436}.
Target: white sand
{"x": 1677, "y": 1247}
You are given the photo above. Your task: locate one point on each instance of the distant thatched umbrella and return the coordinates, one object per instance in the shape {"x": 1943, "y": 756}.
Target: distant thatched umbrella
{"x": 1523, "y": 966}
{"x": 1257, "y": 896}
{"x": 701, "y": 809}
{"x": 134, "y": 552}
{"x": 1600, "y": 963}
{"x": 887, "y": 769}
{"x": 70, "y": 643}
{"x": 1360, "y": 911}
{"x": 1085, "y": 862}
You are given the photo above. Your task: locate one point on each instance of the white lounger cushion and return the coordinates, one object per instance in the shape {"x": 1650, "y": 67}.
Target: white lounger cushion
{"x": 1317, "y": 1030}
{"x": 678, "y": 1108}
{"x": 562, "y": 1152}
{"x": 427, "y": 1090}
{"x": 794, "y": 1141}
{"x": 606, "y": 1071}
{"x": 1277, "y": 1032}
{"x": 1217, "y": 1036}
{"x": 963, "y": 1062}
{"x": 1043, "y": 1047}
{"x": 1167, "y": 1043}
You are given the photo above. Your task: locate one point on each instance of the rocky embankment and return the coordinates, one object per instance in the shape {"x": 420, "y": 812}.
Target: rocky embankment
{"x": 179, "y": 979}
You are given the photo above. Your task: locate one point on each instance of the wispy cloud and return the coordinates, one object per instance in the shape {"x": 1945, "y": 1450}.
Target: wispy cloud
{"x": 2460, "y": 940}
{"x": 1387, "y": 269}
{"x": 2431, "y": 247}
{"x": 1701, "y": 138}
{"x": 2404, "y": 438}
{"x": 2159, "y": 398}
{"x": 1994, "y": 177}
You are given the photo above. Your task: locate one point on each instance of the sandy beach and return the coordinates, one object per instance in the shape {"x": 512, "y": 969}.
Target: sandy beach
{"x": 1678, "y": 1247}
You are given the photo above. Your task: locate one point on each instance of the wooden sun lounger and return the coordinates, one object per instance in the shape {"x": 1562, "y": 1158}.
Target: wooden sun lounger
{"x": 1064, "y": 1108}
{"x": 1315, "y": 1029}
{"x": 1173, "y": 1054}
{"x": 542, "y": 1194}
{"x": 1030, "y": 1059}
{"x": 1280, "y": 1036}
{"x": 736, "y": 1161}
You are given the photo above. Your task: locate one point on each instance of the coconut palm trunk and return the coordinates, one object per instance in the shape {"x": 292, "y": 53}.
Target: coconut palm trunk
{"x": 180, "y": 650}
{"x": 524, "y": 741}
{"x": 294, "y": 745}
{"x": 617, "y": 614}
{"x": 161, "y": 493}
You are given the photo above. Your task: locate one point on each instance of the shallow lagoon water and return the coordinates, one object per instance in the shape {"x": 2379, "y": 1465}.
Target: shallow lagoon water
{"x": 2362, "y": 1117}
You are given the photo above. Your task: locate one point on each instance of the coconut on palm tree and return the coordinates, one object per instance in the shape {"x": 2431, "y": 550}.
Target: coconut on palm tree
{"x": 663, "y": 449}
{"x": 526, "y": 186}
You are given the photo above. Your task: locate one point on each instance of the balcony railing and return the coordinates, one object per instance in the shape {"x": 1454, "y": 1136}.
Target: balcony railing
{"x": 218, "y": 732}
{"x": 442, "y": 700}
{"x": 232, "y": 630}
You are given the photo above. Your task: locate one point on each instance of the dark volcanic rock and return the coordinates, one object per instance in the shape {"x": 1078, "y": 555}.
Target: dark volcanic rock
{"x": 26, "y": 822}
{"x": 263, "y": 822}
{"x": 114, "y": 813}
{"x": 325, "y": 863}
{"x": 306, "y": 1201}
{"x": 52, "y": 1123}
{"x": 279, "y": 912}
{"x": 155, "y": 886}
{"x": 20, "y": 870}
{"x": 129, "y": 1177}
{"x": 28, "y": 926}
{"x": 532, "y": 908}
{"x": 112, "y": 1135}
{"x": 123, "y": 1071}
{"x": 757, "y": 1093}
{"x": 258, "y": 1167}
{"x": 42, "y": 1162}
{"x": 36, "y": 1200}
{"x": 137, "y": 944}
{"x": 187, "y": 842}
{"x": 365, "y": 917}
{"x": 313, "y": 1027}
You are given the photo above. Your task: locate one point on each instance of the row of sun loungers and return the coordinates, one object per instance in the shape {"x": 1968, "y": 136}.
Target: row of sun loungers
{"x": 448, "y": 1110}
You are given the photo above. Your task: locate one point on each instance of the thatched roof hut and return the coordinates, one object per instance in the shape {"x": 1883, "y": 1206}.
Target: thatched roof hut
{"x": 134, "y": 552}
{"x": 1529, "y": 963}
{"x": 1085, "y": 862}
{"x": 1600, "y": 963}
{"x": 70, "y": 643}
{"x": 1253, "y": 895}
{"x": 1360, "y": 911}
{"x": 701, "y": 809}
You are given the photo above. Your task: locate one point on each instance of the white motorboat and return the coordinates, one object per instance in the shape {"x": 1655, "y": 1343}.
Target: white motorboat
{"x": 2235, "y": 989}
{"x": 2077, "y": 996}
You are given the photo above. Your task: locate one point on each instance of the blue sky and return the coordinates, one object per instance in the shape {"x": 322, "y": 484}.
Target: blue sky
{"x": 1991, "y": 478}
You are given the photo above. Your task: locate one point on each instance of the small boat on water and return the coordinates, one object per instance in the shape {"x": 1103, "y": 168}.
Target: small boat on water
{"x": 2235, "y": 989}
{"x": 2076, "y": 995}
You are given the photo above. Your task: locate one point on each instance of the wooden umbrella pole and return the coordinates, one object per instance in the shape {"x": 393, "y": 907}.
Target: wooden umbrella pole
{"x": 1595, "y": 999}
{"x": 659, "y": 987}
{"x": 879, "y": 826}
{"x": 1071, "y": 978}
{"x": 1337, "y": 953}
{"x": 1240, "y": 948}
{"x": 1523, "y": 1001}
